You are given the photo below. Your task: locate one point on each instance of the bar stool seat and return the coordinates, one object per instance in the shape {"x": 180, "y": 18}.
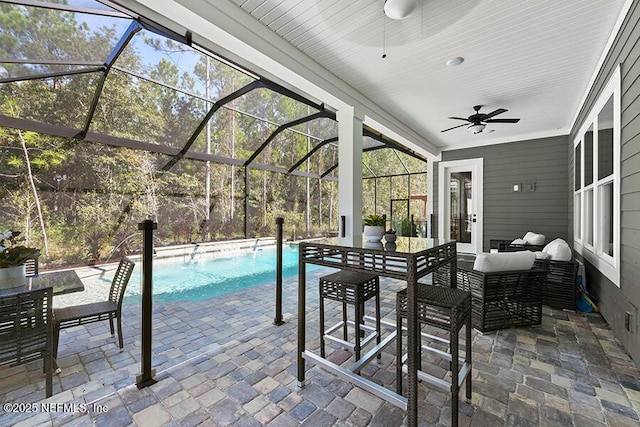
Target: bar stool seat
{"x": 447, "y": 309}
{"x": 354, "y": 288}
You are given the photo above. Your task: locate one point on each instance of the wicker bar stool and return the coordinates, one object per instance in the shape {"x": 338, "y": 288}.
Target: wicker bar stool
{"x": 350, "y": 287}
{"x": 447, "y": 309}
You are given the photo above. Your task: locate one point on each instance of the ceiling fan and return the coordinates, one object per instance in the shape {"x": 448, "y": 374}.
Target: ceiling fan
{"x": 479, "y": 120}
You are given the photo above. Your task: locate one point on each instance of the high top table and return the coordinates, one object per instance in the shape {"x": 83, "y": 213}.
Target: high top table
{"x": 408, "y": 259}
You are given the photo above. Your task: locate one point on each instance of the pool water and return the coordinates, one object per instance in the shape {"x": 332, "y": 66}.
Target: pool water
{"x": 204, "y": 278}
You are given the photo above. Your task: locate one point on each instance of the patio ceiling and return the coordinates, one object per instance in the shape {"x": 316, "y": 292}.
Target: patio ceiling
{"x": 535, "y": 59}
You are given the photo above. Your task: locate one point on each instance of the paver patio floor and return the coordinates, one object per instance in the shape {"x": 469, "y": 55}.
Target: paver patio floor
{"x": 222, "y": 362}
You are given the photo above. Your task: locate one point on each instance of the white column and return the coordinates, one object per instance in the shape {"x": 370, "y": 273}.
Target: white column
{"x": 350, "y": 174}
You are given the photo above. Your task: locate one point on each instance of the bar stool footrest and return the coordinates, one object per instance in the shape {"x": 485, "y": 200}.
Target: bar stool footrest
{"x": 464, "y": 370}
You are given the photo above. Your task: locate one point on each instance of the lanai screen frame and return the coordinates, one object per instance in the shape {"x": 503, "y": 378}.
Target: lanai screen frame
{"x": 137, "y": 24}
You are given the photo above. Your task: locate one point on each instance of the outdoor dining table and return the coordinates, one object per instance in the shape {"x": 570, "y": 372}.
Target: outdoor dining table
{"x": 409, "y": 259}
{"x": 62, "y": 282}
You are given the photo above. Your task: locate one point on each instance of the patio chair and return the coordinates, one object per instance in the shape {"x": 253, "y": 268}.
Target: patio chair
{"x": 504, "y": 299}
{"x": 506, "y": 293}
{"x": 559, "y": 288}
{"x": 77, "y": 315}
{"x": 509, "y": 246}
{"x": 26, "y": 331}
{"x": 31, "y": 267}
{"x": 530, "y": 242}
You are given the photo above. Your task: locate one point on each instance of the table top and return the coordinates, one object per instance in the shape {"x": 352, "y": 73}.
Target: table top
{"x": 62, "y": 282}
{"x": 411, "y": 257}
{"x": 402, "y": 245}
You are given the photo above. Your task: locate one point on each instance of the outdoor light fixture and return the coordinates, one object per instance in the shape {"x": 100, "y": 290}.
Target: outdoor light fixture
{"x": 454, "y": 62}
{"x": 399, "y": 9}
{"x": 477, "y": 128}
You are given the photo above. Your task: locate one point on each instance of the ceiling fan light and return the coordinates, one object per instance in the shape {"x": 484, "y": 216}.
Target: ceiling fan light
{"x": 477, "y": 128}
{"x": 399, "y": 9}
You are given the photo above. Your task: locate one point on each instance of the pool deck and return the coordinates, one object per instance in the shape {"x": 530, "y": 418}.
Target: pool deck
{"x": 222, "y": 362}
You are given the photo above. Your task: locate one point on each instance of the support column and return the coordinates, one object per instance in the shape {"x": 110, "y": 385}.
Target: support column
{"x": 145, "y": 378}
{"x": 246, "y": 202}
{"x": 278, "y": 319}
{"x": 350, "y": 174}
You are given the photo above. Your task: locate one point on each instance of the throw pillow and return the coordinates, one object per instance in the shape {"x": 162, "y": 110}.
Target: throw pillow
{"x": 504, "y": 261}
{"x": 558, "y": 250}
{"x": 534, "y": 238}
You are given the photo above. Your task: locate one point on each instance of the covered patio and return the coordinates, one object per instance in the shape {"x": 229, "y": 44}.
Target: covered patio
{"x": 215, "y": 121}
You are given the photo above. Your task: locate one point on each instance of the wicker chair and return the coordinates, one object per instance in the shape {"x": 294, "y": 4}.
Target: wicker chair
{"x": 559, "y": 289}
{"x": 506, "y": 246}
{"x": 26, "y": 331}
{"x": 31, "y": 267}
{"x": 501, "y": 299}
{"x": 76, "y": 315}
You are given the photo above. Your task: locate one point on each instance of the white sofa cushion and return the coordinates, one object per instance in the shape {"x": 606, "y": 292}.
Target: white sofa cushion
{"x": 504, "y": 261}
{"x": 533, "y": 238}
{"x": 558, "y": 250}
{"x": 541, "y": 255}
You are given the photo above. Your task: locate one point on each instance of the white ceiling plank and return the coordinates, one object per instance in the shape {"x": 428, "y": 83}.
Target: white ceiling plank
{"x": 535, "y": 58}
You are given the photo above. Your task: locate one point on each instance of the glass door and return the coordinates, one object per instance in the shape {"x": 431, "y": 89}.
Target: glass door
{"x": 461, "y": 214}
{"x": 460, "y": 193}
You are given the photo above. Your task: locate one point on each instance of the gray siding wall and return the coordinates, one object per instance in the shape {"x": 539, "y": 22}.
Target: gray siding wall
{"x": 508, "y": 214}
{"x": 614, "y": 301}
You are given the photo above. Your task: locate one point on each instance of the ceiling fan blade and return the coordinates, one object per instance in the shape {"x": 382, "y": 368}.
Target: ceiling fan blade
{"x": 502, "y": 120}
{"x": 493, "y": 113}
{"x": 455, "y": 127}
{"x": 458, "y": 118}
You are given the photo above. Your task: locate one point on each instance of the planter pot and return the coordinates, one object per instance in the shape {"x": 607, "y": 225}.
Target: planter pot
{"x": 373, "y": 233}
{"x": 390, "y": 237}
{"x": 373, "y": 245}
{"x": 12, "y": 277}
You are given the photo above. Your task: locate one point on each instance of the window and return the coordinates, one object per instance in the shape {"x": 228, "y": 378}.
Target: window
{"x": 588, "y": 219}
{"x": 596, "y": 200}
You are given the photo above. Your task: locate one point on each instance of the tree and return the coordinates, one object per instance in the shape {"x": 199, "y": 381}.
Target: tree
{"x": 86, "y": 198}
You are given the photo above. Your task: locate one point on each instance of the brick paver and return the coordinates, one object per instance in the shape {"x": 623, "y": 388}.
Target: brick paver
{"x": 222, "y": 362}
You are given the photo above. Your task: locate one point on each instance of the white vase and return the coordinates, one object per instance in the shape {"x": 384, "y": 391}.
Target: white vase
{"x": 12, "y": 277}
{"x": 373, "y": 233}
{"x": 373, "y": 245}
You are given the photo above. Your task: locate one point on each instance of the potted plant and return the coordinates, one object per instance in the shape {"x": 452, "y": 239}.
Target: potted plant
{"x": 12, "y": 259}
{"x": 373, "y": 227}
{"x": 390, "y": 235}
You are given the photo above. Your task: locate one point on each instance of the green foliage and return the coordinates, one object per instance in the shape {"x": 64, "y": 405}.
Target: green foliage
{"x": 374, "y": 220}
{"x": 94, "y": 195}
{"x": 17, "y": 255}
{"x": 408, "y": 229}
{"x": 12, "y": 255}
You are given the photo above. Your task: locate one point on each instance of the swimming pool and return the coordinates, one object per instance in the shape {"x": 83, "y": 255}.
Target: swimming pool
{"x": 202, "y": 278}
